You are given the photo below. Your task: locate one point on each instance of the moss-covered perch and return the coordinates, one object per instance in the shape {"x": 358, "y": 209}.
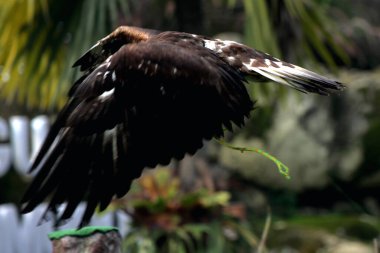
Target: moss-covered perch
{"x": 86, "y": 240}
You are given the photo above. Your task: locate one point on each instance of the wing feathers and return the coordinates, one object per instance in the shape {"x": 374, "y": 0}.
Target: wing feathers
{"x": 141, "y": 106}
{"x": 258, "y": 64}
{"x": 298, "y": 78}
{"x": 144, "y": 99}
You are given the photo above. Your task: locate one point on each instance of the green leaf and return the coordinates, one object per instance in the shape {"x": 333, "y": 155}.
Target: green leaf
{"x": 247, "y": 234}
{"x": 215, "y": 199}
{"x": 197, "y": 230}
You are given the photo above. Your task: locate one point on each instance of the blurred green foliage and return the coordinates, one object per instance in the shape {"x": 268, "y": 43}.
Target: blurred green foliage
{"x": 166, "y": 218}
{"x": 41, "y": 39}
{"x": 356, "y": 227}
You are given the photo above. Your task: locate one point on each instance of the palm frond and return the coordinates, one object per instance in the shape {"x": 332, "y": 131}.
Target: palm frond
{"x": 318, "y": 30}
{"x": 39, "y": 40}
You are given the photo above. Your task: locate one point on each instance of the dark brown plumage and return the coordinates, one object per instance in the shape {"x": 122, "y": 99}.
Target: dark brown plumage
{"x": 145, "y": 98}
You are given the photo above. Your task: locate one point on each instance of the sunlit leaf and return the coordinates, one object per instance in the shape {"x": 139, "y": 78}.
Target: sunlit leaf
{"x": 219, "y": 198}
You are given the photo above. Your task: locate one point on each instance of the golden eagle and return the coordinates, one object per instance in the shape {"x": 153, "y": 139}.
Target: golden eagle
{"x": 145, "y": 98}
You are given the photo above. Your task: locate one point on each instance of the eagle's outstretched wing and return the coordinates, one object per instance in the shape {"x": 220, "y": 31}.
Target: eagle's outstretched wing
{"x": 145, "y": 98}
{"x": 257, "y": 64}
{"x": 145, "y": 104}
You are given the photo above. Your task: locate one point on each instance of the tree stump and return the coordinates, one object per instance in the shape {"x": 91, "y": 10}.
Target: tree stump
{"x": 86, "y": 240}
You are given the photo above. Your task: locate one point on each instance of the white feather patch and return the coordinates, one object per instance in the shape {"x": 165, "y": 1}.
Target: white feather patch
{"x": 106, "y": 74}
{"x": 108, "y": 61}
{"x": 113, "y": 76}
{"x": 105, "y": 95}
{"x": 210, "y": 44}
{"x": 218, "y": 45}
{"x": 282, "y": 74}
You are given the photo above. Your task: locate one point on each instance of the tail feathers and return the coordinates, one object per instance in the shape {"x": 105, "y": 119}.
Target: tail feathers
{"x": 296, "y": 77}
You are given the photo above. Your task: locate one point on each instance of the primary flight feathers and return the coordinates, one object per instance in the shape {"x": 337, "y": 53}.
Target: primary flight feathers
{"x": 145, "y": 98}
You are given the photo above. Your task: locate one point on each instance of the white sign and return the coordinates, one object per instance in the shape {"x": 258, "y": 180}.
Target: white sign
{"x": 20, "y": 139}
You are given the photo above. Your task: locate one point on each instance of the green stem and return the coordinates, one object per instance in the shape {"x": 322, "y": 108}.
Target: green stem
{"x": 282, "y": 168}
